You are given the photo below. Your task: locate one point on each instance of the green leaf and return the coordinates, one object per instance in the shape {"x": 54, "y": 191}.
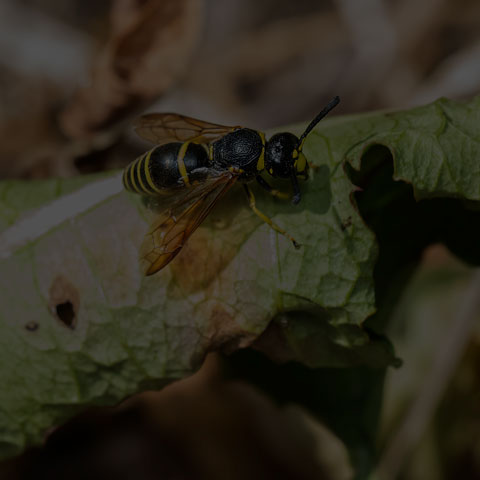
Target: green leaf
{"x": 81, "y": 325}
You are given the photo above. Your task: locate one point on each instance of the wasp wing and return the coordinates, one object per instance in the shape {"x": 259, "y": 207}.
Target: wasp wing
{"x": 174, "y": 226}
{"x": 160, "y": 128}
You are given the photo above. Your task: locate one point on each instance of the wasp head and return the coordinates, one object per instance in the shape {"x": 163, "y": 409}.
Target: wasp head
{"x": 284, "y": 159}
{"x": 281, "y": 154}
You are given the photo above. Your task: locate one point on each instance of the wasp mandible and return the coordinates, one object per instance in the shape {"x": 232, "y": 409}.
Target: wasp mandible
{"x": 193, "y": 165}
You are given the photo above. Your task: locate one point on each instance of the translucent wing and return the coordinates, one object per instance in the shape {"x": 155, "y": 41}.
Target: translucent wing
{"x": 162, "y": 128}
{"x": 174, "y": 226}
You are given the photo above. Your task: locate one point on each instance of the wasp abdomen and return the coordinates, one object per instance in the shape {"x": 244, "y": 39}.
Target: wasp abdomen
{"x": 164, "y": 167}
{"x": 241, "y": 149}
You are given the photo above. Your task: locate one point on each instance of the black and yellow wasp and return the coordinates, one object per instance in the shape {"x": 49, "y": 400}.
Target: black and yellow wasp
{"x": 193, "y": 165}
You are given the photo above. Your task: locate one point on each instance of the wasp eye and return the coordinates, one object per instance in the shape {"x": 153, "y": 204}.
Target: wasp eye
{"x": 279, "y": 154}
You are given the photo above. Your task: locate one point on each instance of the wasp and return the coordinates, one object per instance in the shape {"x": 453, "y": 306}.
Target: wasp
{"x": 195, "y": 163}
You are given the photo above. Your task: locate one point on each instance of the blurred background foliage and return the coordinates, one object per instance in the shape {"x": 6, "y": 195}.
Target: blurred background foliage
{"x": 75, "y": 73}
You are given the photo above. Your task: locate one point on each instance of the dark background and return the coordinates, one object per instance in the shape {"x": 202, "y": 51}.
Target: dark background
{"x": 73, "y": 76}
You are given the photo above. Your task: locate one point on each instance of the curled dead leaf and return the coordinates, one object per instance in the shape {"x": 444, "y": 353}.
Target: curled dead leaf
{"x": 148, "y": 50}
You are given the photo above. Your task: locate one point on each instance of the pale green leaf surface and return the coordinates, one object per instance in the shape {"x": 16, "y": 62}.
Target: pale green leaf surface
{"x": 234, "y": 276}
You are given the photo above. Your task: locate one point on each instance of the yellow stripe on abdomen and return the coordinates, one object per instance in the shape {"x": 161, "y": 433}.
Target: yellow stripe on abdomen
{"x": 261, "y": 158}
{"x": 138, "y": 172}
{"x": 133, "y": 180}
{"x": 128, "y": 177}
{"x": 125, "y": 178}
{"x": 146, "y": 169}
{"x": 181, "y": 164}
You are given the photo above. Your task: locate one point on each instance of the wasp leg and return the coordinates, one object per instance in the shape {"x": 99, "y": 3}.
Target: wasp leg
{"x": 269, "y": 221}
{"x": 296, "y": 189}
{"x": 272, "y": 191}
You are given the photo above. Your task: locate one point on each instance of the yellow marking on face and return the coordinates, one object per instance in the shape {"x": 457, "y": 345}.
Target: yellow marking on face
{"x": 261, "y": 158}
{"x": 181, "y": 164}
{"x": 300, "y": 148}
{"x": 301, "y": 163}
{"x": 147, "y": 172}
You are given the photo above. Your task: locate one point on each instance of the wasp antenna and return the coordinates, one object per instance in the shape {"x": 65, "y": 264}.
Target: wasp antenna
{"x": 331, "y": 105}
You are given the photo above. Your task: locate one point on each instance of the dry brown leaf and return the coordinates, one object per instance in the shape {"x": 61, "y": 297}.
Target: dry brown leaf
{"x": 148, "y": 50}
{"x": 274, "y": 73}
{"x": 27, "y": 134}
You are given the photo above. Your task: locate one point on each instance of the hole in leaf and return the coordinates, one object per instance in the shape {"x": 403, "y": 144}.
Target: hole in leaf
{"x": 64, "y": 302}
{"x": 66, "y": 314}
{"x": 31, "y": 326}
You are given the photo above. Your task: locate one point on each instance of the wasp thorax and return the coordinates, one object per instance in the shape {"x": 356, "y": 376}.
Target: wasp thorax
{"x": 241, "y": 148}
{"x": 279, "y": 154}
